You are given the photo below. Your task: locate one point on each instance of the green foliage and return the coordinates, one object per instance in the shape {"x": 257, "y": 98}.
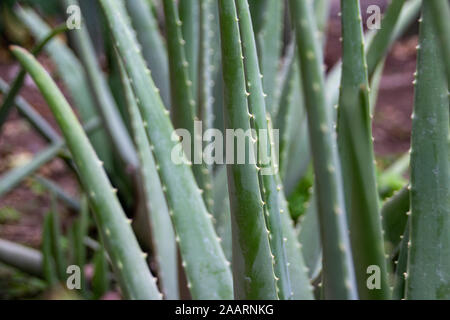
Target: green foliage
{"x": 356, "y": 152}
{"x": 339, "y": 278}
{"x": 429, "y": 251}
{"x": 207, "y": 269}
{"x": 124, "y": 250}
{"x": 254, "y": 260}
{"x": 232, "y": 64}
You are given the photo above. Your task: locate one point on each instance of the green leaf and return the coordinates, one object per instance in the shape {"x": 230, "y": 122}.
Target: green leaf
{"x": 105, "y": 100}
{"x": 206, "y": 268}
{"x": 155, "y": 203}
{"x": 21, "y": 257}
{"x": 73, "y": 75}
{"x": 9, "y": 99}
{"x": 338, "y": 272}
{"x": 153, "y": 44}
{"x": 356, "y": 152}
{"x": 252, "y": 258}
{"x": 100, "y": 280}
{"x": 127, "y": 258}
{"x": 429, "y": 253}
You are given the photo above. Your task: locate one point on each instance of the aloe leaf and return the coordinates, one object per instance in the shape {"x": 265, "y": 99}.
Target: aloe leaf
{"x": 184, "y": 106}
{"x": 21, "y": 257}
{"x": 221, "y": 210}
{"x": 205, "y": 98}
{"x": 357, "y": 157}
{"x": 394, "y": 214}
{"x": 266, "y": 158}
{"x": 429, "y": 253}
{"x": 401, "y": 266}
{"x": 217, "y": 103}
{"x": 298, "y": 270}
{"x": 79, "y": 231}
{"x": 379, "y": 44}
{"x": 252, "y": 259}
{"x": 284, "y": 83}
{"x": 309, "y": 238}
{"x": 375, "y": 85}
{"x": 73, "y": 76}
{"x": 103, "y": 96}
{"x": 190, "y": 16}
{"x": 270, "y": 39}
{"x": 322, "y": 12}
{"x": 158, "y": 212}
{"x": 339, "y": 278}
{"x": 183, "y": 103}
{"x": 153, "y": 44}
{"x": 48, "y": 261}
{"x": 258, "y": 12}
{"x": 441, "y": 13}
{"x": 206, "y": 64}
{"x": 294, "y": 152}
{"x": 100, "y": 280}
{"x": 127, "y": 258}
{"x": 36, "y": 120}
{"x": 390, "y": 33}
{"x": 207, "y": 270}
{"x": 285, "y": 105}
{"x": 57, "y": 250}
{"x": 9, "y": 99}
{"x": 294, "y": 146}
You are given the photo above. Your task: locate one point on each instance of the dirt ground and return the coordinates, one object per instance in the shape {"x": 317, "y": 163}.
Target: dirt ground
{"x": 19, "y": 142}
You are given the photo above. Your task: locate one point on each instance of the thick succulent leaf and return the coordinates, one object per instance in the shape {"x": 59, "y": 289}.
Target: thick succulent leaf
{"x": 128, "y": 260}
{"x": 207, "y": 270}
{"x": 429, "y": 253}
{"x": 253, "y": 272}
{"x": 356, "y": 152}
{"x": 338, "y": 272}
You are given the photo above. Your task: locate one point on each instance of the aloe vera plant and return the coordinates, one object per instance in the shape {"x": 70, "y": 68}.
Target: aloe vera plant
{"x": 18, "y": 82}
{"x": 184, "y": 109}
{"x": 303, "y": 211}
{"x": 441, "y": 11}
{"x": 429, "y": 244}
{"x": 358, "y": 169}
{"x": 116, "y": 231}
{"x": 208, "y": 274}
{"x": 338, "y": 268}
{"x": 247, "y": 206}
{"x": 162, "y": 228}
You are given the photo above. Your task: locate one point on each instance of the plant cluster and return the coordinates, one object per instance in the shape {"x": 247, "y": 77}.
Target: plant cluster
{"x": 237, "y": 64}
